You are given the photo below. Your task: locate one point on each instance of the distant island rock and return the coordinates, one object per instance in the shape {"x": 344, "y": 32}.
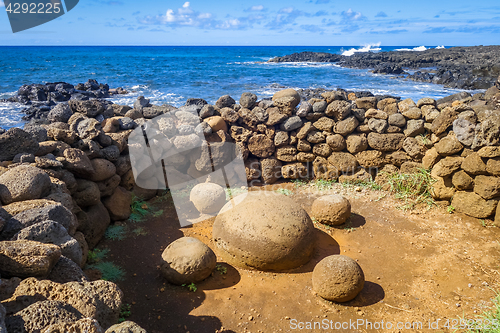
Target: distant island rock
{"x": 475, "y": 67}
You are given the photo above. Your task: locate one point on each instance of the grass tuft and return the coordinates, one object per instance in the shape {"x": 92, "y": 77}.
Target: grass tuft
{"x": 322, "y": 184}
{"x": 284, "y": 191}
{"x": 489, "y": 321}
{"x": 125, "y": 312}
{"x": 110, "y": 271}
{"x": 139, "y": 210}
{"x": 115, "y": 232}
{"x": 97, "y": 255}
{"x": 412, "y": 188}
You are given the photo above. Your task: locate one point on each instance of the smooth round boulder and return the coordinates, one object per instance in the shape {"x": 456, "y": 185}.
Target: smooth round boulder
{"x": 331, "y": 209}
{"x": 338, "y": 278}
{"x": 264, "y": 231}
{"x": 187, "y": 260}
{"x": 208, "y": 198}
{"x": 217, "y": 123}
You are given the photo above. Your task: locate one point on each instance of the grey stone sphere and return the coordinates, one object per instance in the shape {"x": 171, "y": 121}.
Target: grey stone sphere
{"x": 331, "y": 209}
{"x": 208, "y": 198}
{"x": 187, "y": 260}
{"x": 338, "y": 278}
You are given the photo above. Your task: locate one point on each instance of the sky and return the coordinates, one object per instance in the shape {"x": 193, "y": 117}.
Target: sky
{"x": 260, "y": 23}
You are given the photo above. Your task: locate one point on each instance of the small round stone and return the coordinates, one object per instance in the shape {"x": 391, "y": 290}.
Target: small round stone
{"x": 338, "y": 278}
{"x": 187, "y": 260}
{"x": 331, "y": 209}
{"x": 208, "y": 198}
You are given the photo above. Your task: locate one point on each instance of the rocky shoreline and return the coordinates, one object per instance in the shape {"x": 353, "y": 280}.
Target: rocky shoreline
{"x": 468, "y": 68}
{"x": 65, "y": 180}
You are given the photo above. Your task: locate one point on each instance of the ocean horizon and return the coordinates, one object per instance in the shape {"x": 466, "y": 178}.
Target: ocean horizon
{"x": 172, "y": 74}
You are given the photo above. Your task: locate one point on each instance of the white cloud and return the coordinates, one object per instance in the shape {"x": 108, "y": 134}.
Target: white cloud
{"x": 287, "y": 10}
{"x": 186, "y": 4}
{"x": 2, "y": 4}
{"x": 257, "y": 8}
{"x": 351, "y": 15}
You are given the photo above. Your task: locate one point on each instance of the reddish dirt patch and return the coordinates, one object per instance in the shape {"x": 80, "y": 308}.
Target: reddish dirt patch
{"x": 420, "y": 266}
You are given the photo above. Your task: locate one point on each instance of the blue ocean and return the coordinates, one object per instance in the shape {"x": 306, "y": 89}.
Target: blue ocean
{"x": 175, "y": 73}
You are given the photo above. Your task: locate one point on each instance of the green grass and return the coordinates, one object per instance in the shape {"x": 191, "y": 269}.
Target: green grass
{"x": 191, "y": 287}
{"x": 284, "y": 191}
{"x": 125, "y": 312}
{"x": 412, "y": 188}
{"x": 110, "y": 271}
{"x": 97, "y": 255}
{"x": 233, "y": 192}
{"x": 139, "y": 210}
{"x": 221, "y": 269}
{"x": 158, "y": 213}
{"x": 299, "y": 182}
{"x": 450, "y": 209}
{"x": 322, "y": 184}
{"x": 491, "y": 316}
{"x": 140, "y": 231}
{"x": 115, "y": 232}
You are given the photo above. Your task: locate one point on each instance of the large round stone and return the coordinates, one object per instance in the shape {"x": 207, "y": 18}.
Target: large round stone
{"x": 265, "y": 231}
{"x": 208, "y": 198}
{"x": 331, "y": 209}
{"x": 187, "y": 260}
{"x": 338, "y": 278}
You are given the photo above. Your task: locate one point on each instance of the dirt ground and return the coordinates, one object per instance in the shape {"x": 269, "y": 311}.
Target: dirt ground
{"x": 422, "y": 267}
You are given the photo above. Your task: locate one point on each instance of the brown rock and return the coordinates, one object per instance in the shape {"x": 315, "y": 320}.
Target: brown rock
{"x": 103, "y": 169}
{"x": 229, "y": 115}
{"x": 253, "y": 170}
{"x": 23, "y": 182}
{"x": 490, "y": 151}
{"x": 24, "y": 258}
{"x": 324, "y": 170}
{"x": 338, "y": 110}
{"x": 275, "y": 117}
{"x": 447, "y": 166}
{"x": 324, "y": 124}
{"x": 86, "y": 325}
{"x": 110, "y": 125}
{"x": 238, "y": 230}
{"x": 361, "y": 176}
{"x": 295, "y": 171}
{"x": 406, "y": 105}
{"x": 118, "y": 204}
{"x": 442, "y": 189}
{"x": 271, "y": 170}
{"x": 414, "y": 148}
{"x": 474, "y": 165}
{"x": 338, "y": 278}
{"x": 413, "y": 113}
{"x": 449, "y": 145}
{"x": 356, "y": 143}
{"x": 366, "y": 103}
{"x": 444, "y": 121}
{"x": 304, "y": 146}
{"x": 331, "y": 209}
{"x": 290, "y": 93}
{"x": 78, "y": 163}
{"x": 336, "y": 142}
{"x": 371, "y": 159}
{"x": 493, "y": 166}
{"x": 397, "y": 158}
{"x": 344, "y": 162}
{"x": 473, "y": 205}
{"x": 462, "y": 181}
{"x": 217, "y": 123}
{"x": 305, "y": 157}
{"x": 93, "y": 222}
{"x": 487, "y": 187}
{"x": 410, "y": 167}
{"x": 287, "y": 154}
{"x": 385, "y": 142}
{"x": 322, "y": 149}
{"x": 261, "y": 146}
{"x": 346, "y": 126}
{"x": 305, "y": 130}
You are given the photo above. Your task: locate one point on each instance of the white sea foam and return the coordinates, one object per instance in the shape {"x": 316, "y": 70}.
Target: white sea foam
{"x": 440, "y": 47}
{"x": 418, "y": 48}
{"x": 366, "y": 48}
{"x": 155, "y": 96}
